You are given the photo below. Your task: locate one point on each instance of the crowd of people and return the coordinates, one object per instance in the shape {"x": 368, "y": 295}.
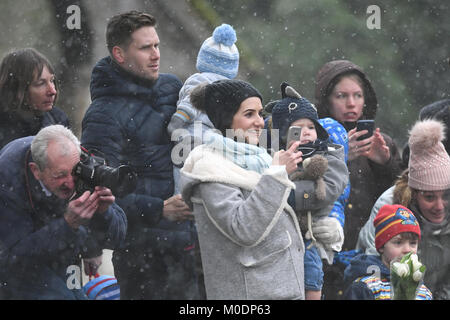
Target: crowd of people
{"x": 225, "y": 204}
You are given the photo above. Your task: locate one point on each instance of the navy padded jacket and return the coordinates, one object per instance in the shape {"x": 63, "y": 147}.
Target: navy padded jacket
{"x": 127, "y": 122}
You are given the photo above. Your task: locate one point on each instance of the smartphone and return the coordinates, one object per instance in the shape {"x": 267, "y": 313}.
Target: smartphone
{"x": 294, "y": 134}
{"x": 365, "y": 125}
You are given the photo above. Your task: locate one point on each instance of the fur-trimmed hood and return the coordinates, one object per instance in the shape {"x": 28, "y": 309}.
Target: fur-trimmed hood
{"x": 206, "y": 165}
{"x": 326, "y": 79}
{"x": 246, "y": 229}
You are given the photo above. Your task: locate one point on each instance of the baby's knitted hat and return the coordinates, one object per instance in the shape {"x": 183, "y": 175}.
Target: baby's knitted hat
{"x": 218, "y": 54}
{"x": 291, "y": 108}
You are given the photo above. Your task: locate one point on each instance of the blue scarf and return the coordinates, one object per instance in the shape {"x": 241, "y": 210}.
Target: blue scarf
{"x": 246, "y": 156}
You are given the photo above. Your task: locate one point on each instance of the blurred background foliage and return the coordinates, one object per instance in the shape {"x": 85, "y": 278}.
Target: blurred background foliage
{"x": 407, "y": 59}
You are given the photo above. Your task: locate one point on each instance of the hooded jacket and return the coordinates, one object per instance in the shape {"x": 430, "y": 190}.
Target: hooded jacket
{"x": 39, "y": 252}
{"x": 367, "y": 178}
{"x": 251, "y": 244}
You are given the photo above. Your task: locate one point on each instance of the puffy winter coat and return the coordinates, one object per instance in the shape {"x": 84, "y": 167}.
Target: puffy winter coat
{"x": 127, "y": 122}
{"x": 39, "y": 252}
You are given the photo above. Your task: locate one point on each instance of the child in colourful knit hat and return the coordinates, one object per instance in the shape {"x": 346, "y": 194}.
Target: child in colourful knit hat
{"x": 217, "y": 59}
{"x": 397, "y": 232}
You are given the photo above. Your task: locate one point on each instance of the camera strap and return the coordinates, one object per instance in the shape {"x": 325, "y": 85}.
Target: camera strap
{"x": 27, "y": 181}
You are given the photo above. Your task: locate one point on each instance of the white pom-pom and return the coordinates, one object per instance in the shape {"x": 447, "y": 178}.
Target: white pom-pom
{"x": 426, "y": 134}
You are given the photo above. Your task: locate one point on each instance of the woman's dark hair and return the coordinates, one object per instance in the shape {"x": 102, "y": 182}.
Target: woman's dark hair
{"x": 121, "y": 26}
{"x": 17, "y": 71}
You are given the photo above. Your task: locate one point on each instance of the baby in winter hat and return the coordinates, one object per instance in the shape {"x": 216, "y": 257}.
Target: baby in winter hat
{"x": 291, "y": 109}
{"x": 320, "y": 157}
{"x": 218, "y": 59}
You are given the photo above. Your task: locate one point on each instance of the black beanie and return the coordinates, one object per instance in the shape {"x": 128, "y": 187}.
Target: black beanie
{"x": 221, "y": 100}
{"x": 439, "y": 110}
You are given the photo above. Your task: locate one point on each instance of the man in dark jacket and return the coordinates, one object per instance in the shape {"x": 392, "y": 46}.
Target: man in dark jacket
{"x": 42, "y": 230}
{"x": 132, "y": 104}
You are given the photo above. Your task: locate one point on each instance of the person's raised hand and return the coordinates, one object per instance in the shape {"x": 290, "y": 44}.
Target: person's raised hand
{"x": 289, "y": 158}
{"x": 379, "y": 151}
{"x": 176, "y": 209}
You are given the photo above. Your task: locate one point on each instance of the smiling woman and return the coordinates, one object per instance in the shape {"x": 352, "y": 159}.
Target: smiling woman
{"x": 424, "y": 187}
{"x": 227, "y": 181}
{"x": 248, "y": 121}
{"x": 28, "y": 91}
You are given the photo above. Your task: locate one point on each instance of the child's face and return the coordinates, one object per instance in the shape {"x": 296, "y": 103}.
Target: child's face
{"x": 397, "y": 246}
{"x": 309, "y": 133}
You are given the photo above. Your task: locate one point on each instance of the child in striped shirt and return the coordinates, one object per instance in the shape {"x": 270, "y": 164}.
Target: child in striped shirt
{"x": 397, "y": 233}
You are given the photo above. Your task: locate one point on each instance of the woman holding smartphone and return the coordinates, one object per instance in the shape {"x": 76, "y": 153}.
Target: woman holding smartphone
{"x": 250, "y": 240}
{"x": 344, "y": 93}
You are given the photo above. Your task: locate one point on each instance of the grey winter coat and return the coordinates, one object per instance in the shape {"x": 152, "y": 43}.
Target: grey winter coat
{"x": 335, "y": 178}
{"x": 250, "y": 240}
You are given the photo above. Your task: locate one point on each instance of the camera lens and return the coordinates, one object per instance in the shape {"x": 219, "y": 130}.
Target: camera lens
{"x": 92, "y": 171}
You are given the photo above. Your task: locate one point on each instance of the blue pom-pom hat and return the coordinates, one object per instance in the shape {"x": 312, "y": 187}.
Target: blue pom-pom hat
{"x": 219, "y": 54}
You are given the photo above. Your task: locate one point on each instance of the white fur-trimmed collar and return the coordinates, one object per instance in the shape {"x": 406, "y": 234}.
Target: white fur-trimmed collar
{"x": 205, "y": 165}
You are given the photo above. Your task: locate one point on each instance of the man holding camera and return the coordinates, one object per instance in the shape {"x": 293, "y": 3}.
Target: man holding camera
{"x": 43, "y": 230}
{"x": 132, "y": 104}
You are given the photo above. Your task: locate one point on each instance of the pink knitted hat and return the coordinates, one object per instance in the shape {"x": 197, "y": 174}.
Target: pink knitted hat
{"x": 429, "y": 162}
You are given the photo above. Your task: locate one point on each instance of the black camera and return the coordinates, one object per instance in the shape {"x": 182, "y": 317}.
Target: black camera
{"x": 92, "y": 171}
